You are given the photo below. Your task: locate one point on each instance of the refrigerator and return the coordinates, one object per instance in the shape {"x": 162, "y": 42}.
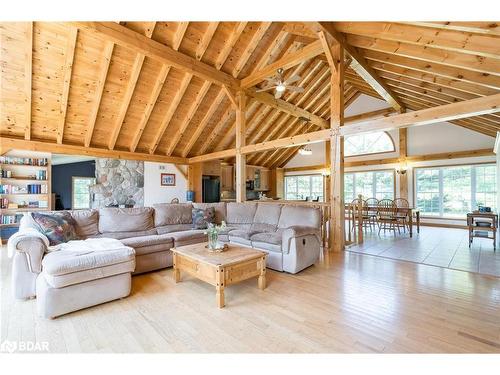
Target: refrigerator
{"x": 211, "y": 189}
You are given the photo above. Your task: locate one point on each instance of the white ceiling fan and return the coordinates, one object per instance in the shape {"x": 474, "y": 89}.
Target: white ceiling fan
{"x": 280, "y": 84}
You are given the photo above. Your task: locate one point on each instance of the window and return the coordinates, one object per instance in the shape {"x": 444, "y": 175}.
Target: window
{"x": 378, "y": 184}
{"x": 371, "y": 143}
{"x": 453, "y": 191}
{"x": 302, "y": 187}
{"x": 81, "y": 193}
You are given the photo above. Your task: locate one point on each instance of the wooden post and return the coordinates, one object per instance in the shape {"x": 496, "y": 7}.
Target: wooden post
{"x": 326, "y": 194}
{"x": 240, "y": 142}
{"x": 337, "y": 240}
{"x": 195, "y": 183}
{"x": 403, "y": 154}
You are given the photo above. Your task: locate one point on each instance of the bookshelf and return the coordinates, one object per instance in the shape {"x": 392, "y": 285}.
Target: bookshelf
{"x": 25, "y": 185}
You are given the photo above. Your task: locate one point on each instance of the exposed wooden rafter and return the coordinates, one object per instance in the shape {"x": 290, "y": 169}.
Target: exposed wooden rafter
{"x": 141, "y": 44}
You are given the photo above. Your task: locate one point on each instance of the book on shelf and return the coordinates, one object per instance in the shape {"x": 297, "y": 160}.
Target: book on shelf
{"x": 10, "y": 219}
{"x": 36, "y": 162}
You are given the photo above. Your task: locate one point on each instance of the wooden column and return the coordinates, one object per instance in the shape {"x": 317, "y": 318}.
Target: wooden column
{"x": 195, "y": 177}
{"x": 280, "y": 183}
{"x": 240, "y": 142}
{"x": 326, "y": 178}
{"x": 403, "y": 154}
{"x": 337, "y": 241}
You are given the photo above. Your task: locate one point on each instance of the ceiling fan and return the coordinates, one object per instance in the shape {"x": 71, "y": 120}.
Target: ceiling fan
{"x": 280, "y": 84}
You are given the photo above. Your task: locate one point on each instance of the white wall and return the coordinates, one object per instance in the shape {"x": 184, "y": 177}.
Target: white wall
{"x": 445, "y": 137}
{"x": 154, "y": 192}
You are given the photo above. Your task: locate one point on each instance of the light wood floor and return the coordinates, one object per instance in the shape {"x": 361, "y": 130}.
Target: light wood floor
{"x": 347, "y": 303}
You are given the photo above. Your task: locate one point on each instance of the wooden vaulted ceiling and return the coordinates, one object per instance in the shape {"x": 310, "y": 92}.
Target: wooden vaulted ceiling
{"x": 89, "y": 90}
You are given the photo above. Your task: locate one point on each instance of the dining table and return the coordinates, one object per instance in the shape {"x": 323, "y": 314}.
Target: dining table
{"x": 411, "y": 212}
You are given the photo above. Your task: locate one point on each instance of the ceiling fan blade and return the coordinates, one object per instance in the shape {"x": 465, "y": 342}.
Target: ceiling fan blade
{"x": 295, "y": 88}
{"x": 292, "y": 79}
{"x": 272, "y": 80}
{"x": 266, "y": 88}
{"x": 278, "y": 94}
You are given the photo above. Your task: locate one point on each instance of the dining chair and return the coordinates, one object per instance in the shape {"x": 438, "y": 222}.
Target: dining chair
{"x": 370, "y": 212}
{"x": 354, "y": 210}
{"x": 386, "y": 215}
{"x": 402, "y": 215}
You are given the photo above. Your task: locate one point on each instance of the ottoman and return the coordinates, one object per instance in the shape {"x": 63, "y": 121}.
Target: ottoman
{"x": 72, "y": 281}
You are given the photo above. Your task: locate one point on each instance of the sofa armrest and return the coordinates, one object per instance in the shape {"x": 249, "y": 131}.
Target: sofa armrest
{"x": 34, "y": 249}
{"x": 294, "y": 232}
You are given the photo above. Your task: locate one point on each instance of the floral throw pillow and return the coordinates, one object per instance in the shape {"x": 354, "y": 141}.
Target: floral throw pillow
{"x": 202, "y": 217}
{"x": 58, "y": 227}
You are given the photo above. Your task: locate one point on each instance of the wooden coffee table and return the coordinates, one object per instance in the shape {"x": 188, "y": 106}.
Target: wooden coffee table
{"x": 233, "y": 265}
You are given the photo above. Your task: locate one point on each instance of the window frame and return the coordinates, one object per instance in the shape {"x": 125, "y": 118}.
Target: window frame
{"x": 393, "y": 171}
{"x": 73, "y": 191}
{"x": 310, "y": 184}
{"x": 441, "y": 167}
{"x": 377, "y": 152}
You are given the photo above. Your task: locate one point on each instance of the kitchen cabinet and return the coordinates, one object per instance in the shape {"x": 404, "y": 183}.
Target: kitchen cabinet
{"x": 226, "y": 183}
{"x": 264, "y": 179}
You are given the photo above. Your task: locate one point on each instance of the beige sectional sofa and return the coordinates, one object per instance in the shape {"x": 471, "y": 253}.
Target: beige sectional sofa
{"x": 289, "y": 234}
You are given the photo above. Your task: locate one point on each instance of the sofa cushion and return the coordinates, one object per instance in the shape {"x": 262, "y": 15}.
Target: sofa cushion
{"x": 172, "y": 213}
{"x": 246, "y": 234}
{"x": 202, "y": 217}
{"x": 302, "y": 216}
{"x": 240, "y": 213}
{"x": 58, "y": 227}
{"x": 188, "y": 237}
{"x": 136, "y": 219}
{"x": 271, "y": 238}
{"x": 173, "y": 228}
{"x": 268, "y": 247}
{"x": 63, "y": 268}
{"x": 149, "y": 244}
{"x": 87, "y": 222}
{"x": 122, "y": 235}
{"x": 267, "y": 213}
{"x": 220, "y": 210}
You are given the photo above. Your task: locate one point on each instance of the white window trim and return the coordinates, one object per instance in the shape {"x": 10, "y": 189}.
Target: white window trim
{"x": 374, "y": 182}
{"x": 73, "y": 191}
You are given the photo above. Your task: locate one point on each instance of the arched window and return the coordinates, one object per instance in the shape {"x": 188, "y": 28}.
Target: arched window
{"x": 370, "y": 143}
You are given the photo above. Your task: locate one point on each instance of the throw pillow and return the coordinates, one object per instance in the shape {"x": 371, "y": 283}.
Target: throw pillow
{"x": 202, "y": 217}
{"x": 58, "y": 227}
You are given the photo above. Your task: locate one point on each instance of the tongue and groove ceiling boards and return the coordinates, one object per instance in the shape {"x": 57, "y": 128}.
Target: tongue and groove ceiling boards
{"x": 163, "y": 90}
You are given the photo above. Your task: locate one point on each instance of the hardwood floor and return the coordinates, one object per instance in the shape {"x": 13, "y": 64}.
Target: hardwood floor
{"x": 346, "y": 303}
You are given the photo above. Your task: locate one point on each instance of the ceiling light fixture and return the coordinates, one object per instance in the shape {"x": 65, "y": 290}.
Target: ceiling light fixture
{"x": 305, "y": 151}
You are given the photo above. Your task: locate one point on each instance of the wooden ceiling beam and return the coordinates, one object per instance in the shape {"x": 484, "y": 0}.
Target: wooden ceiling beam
{"x": 141, "y": 44}
{"x": 129, "y": 91}
{"x": 286, "y": 107}
{"x": 360, "y": 65}
{"x": 216, "y": 132}
{"x": 170, "y": 112}
{"x": 299, "y": 28}
{"x": 447, "y": 112}
{"x": 179, "y": 34}
{"x": 89, "y": 131}
{"x": 453, "y": 59}
{"x": 67, "y": 70}
{"x": 203, "y": 123}
{"x": 206, "y": 39}
{"x": 450, "y": 40}
{"x": 177, "y": 135}
{"x": 228, "y": 46}
{"x": 287, "y": 62}
{"x": 28, "y": 72}
{"x": 33, "y": 145}
{"x": 486, "y": 28}
{"x": 150, "y": 104}
{"x": 252, "y": 45}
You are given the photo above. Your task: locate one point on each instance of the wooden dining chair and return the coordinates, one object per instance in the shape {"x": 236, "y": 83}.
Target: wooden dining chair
{"x": 386, "y": 215}
{"x": 402, "y": 213}
{"x": 370, "y": 212}
{"x": 354, "y": 211}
